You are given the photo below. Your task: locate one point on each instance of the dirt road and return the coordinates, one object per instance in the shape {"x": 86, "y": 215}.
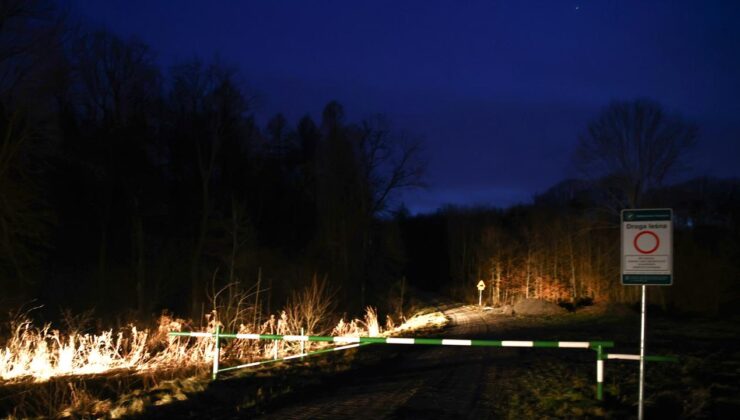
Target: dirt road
{"x": 432, "y": 382}
{"x": 423, "y": 383}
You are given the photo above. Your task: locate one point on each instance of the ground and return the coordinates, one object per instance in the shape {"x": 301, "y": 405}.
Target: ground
{"x": 403, "y": 381}
{"x": 396, "y": 381}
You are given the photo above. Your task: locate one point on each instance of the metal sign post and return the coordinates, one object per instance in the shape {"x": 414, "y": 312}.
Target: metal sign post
{"x": 641, "y": 392}
{"x": 647, "y": 260}
{"x": 481, "y": 286}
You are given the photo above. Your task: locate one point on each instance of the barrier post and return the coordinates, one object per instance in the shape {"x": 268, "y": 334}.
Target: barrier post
{"x": 216, "y": 352}
{"x": 599, "y": 374}
{"x": 303, "y": 345}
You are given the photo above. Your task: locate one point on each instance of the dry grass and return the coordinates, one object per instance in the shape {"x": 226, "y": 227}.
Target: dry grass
{"x": 47, "y": 372}
{"x": 39, "y": 353}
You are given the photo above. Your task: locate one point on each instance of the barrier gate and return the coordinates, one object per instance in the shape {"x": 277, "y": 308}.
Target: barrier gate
{"x": 352, "y": 342}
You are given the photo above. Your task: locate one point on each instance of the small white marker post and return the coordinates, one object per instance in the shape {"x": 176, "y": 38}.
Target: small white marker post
{"x": 216, "y": 352}
{"x": 481, "y": 286}
{"x": 647, "y": 260}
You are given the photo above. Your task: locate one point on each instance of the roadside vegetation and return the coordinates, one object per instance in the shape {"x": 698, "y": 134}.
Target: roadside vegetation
{"x": 45, "y": 371}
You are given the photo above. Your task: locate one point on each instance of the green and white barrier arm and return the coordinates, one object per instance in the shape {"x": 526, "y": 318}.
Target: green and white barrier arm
{"x": 598, "y": 346}
{"x": 409, "y": 341}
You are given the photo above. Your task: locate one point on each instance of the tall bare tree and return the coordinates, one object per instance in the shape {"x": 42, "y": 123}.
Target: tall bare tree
{"x": 30, "y": 36}
{"x": 31, "y": 32}
{"x": 208, "y": 107}
{"x": 633, "y": 147}
{"x": 389, "y": 161}
{"x": 119, "y": 87}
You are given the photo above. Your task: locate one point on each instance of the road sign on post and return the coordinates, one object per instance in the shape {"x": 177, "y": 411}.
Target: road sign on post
{"x": 647, "y": 260}
{"x": 647, "y": 247}
{"x": 480, "y": 286}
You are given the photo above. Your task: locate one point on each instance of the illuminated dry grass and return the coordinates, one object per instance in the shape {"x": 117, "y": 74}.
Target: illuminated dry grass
{"x": 39, "y": 353}
{"x": 105, "y": 373}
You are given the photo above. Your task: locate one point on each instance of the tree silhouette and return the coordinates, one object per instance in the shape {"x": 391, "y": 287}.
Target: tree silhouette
{"x": 208, "y": 108}
{"x": 633, "y": 147}
{"x": 119, "y": 89}
{"x": 31, "y": 35}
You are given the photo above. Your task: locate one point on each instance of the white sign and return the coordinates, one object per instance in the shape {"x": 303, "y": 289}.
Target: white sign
{"x": 647, "y": 247}
{"x": 481, "y": 285}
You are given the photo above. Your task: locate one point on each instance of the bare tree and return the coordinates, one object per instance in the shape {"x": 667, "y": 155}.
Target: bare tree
{"x": 30, "y": 36}
{"x": 119, "y": 78}
{"x": 632, "y": 147}
{"x": 31, "y": 33}
{"x": 390, "y": 162}
{"x": 119, "y": 87}
{"x": 209, "y": 106}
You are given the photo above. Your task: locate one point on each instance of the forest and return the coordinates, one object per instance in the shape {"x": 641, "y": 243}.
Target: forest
{"x": 131, "y": 188}
{"x": 565, "y": 247}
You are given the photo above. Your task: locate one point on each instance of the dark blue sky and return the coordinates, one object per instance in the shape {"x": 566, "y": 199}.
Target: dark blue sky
{"x": 498, "y": 90}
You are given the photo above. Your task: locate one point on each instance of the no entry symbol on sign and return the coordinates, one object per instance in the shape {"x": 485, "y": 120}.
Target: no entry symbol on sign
{"x": 647, "y": 247}
{"x": 646, "y": 242}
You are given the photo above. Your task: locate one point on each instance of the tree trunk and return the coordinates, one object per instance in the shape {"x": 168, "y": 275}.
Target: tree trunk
{"x": 195, "y": 275}
{"x": 498, "y": 283}
{"x": 137, "y": 253}
{"x": 573, "y": 285}
{"x": 529, "y": 256}
{"x": 103, "y": 250}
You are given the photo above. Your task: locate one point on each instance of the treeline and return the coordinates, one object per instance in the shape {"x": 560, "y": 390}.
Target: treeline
{"x": 125, "y": 186}
{"x": 128, "y": 187}
{"x": 565, "y": 248}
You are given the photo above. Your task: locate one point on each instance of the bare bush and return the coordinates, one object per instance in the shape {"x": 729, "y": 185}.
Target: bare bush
{"x": 231, "y": 304}
{"x": 311, "y": 308}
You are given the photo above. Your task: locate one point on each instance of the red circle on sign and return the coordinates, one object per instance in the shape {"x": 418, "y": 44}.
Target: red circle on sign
{"x": 646, "y": 251}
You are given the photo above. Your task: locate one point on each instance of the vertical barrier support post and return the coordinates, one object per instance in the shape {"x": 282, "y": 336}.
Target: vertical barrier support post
{"x": 216, "y": 352}
{"x": 599, "y": 374}
{"x": 303, "y": 345}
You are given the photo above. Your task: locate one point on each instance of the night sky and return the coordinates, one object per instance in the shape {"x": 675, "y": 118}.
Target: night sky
{"x": 497, "y": 90}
